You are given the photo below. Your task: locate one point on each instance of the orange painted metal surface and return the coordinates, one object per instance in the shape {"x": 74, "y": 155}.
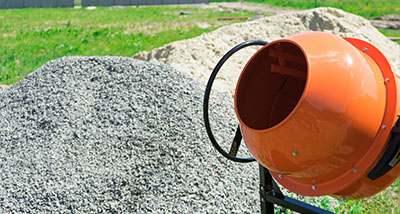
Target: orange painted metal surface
{"x": 316, "y": 110}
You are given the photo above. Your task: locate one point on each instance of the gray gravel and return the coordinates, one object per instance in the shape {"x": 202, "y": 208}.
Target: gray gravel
{"x": 116, "y": 135}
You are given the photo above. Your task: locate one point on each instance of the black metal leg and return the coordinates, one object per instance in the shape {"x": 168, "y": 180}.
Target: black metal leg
{"x": 270, "y": 194}
{"x": 265, "y": 184}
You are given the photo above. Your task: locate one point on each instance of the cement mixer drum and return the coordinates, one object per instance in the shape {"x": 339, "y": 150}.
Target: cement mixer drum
{"x": 317, "y": 110}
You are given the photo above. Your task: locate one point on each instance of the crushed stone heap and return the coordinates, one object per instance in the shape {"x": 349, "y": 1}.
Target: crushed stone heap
{"x": 199, "y": 55}
{"x": 116, "y": 135}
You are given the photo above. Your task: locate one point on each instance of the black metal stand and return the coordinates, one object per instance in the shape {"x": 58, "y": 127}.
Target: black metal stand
{"x": 270, "y": 194}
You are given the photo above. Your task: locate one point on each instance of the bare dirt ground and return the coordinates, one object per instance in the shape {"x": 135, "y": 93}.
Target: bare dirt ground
{"x": 249, "y": 6}
{"x": 387, "y": 22}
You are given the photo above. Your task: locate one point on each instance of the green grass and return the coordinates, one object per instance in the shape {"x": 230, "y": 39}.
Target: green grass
{"x": 31, "y": 37}
{"x": 391, "y": 33}
{"x": 388, "y": 201}
{"x": 364, "y": 8}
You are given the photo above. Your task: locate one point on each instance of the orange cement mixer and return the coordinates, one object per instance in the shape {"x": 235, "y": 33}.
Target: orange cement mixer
{"x": 320, "y": 113}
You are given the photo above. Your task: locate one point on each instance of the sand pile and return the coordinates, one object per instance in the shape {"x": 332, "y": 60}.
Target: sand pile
{"x": 199, "y": 55}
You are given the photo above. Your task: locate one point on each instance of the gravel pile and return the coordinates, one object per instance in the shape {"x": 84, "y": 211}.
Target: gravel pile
{"x": 116, "y": 135}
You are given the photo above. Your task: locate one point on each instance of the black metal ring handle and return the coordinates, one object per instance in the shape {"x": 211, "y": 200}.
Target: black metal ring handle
{"x": 238, "y": 136}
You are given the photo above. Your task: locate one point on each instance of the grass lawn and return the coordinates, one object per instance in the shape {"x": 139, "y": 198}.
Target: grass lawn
{"x": 391, "y": 33}
{"x": 388, "y": 201}
{"x": 31, "y": 37}
{"x": 364, "y": 8}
